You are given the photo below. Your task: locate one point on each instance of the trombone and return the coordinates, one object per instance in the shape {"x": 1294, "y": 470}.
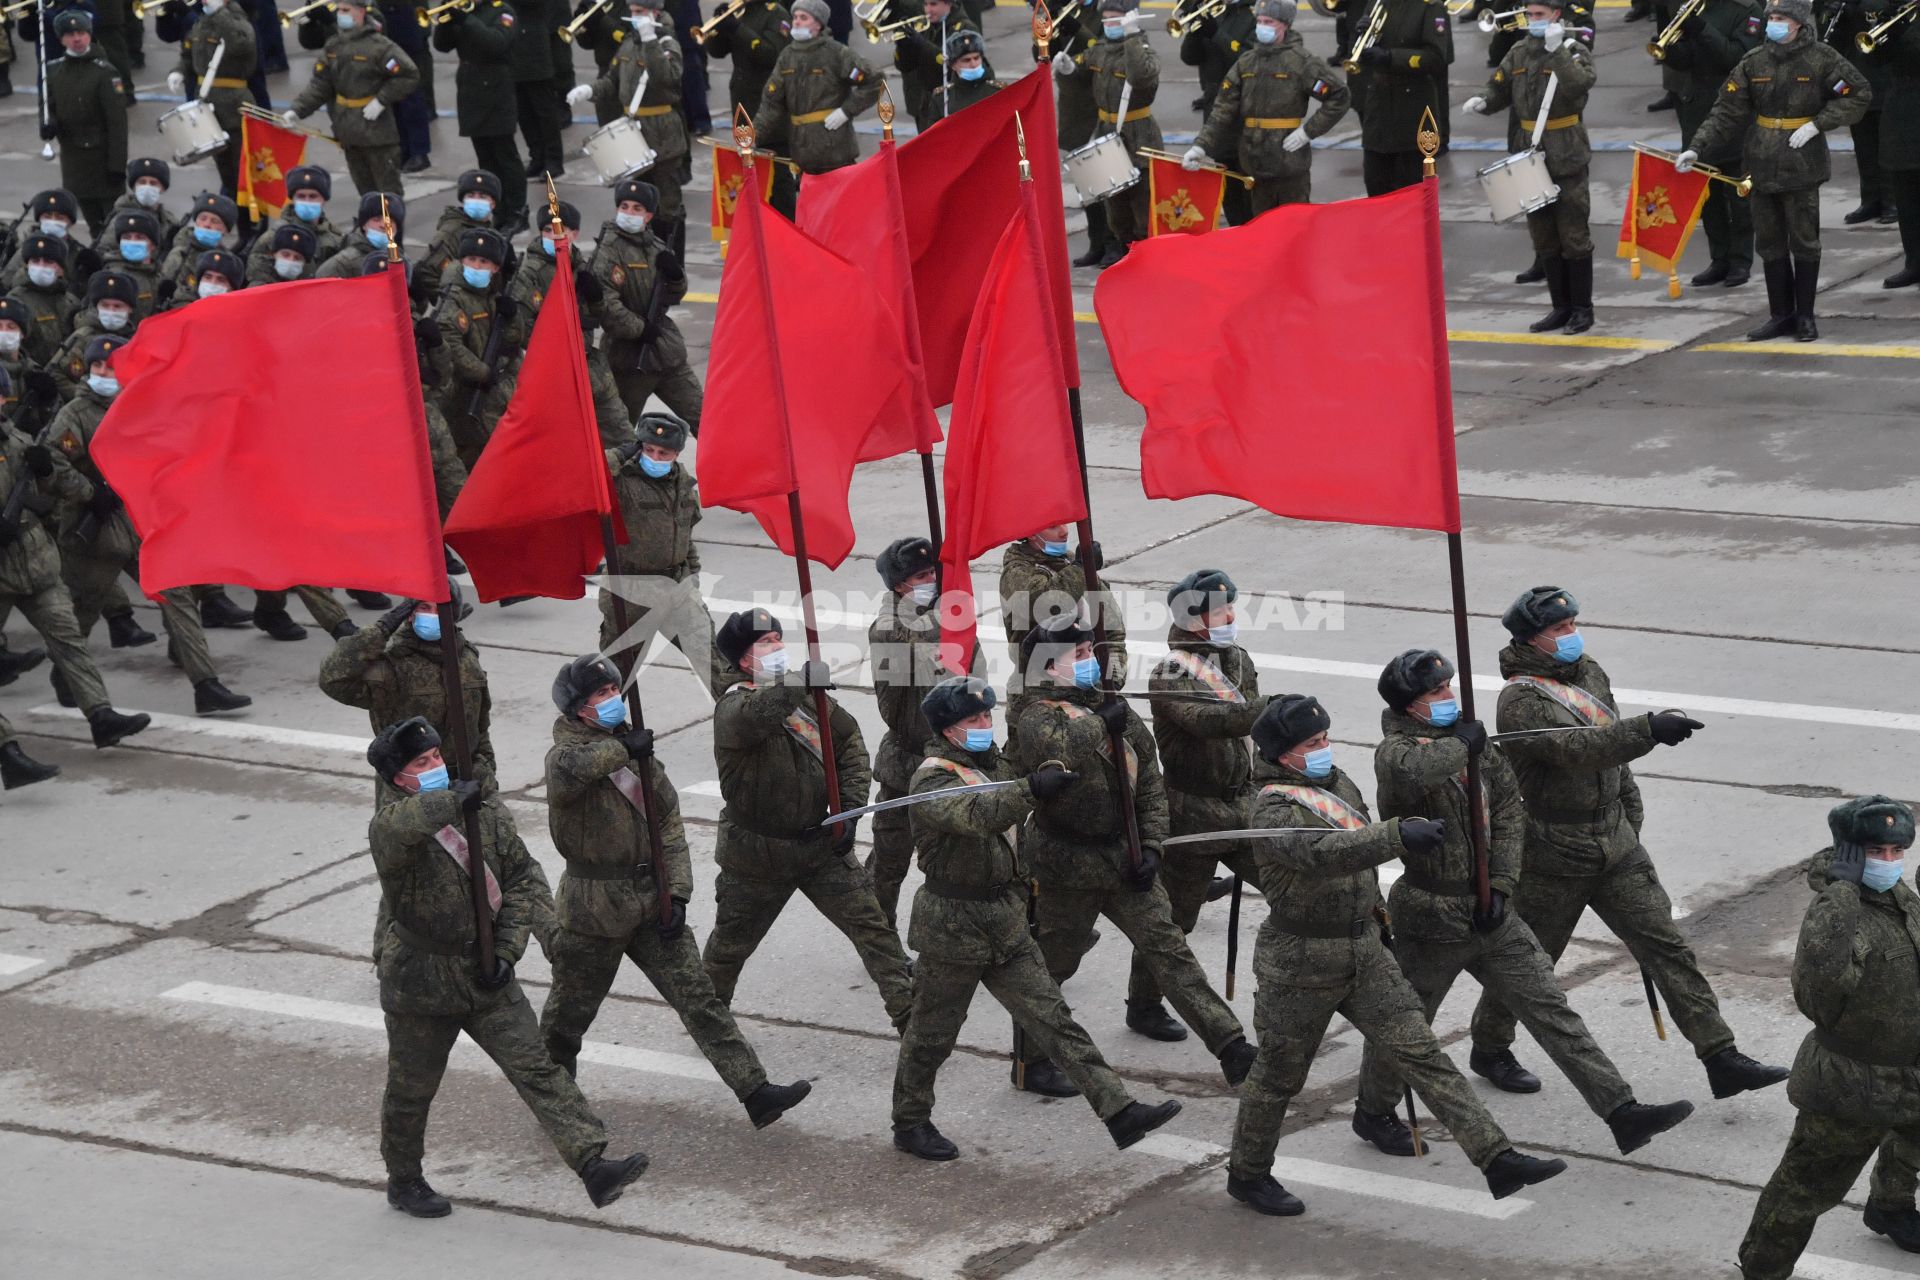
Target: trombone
{"x": 1871, "y": 39}
{"x": 572, "y": 29}
{"x": 290, "y": 16}
{"x": 1660, "y": 45}
{"x": 1376, "y": 21}
{"x": 443, "y": 13}
{"x": 878, "y": 32}
{"x": 1181, "y": 23}
{"x": 141, "y": 8}
{"x": 1742, "y": 185}
{"x": 707, "y": 28}
{"x": 1506, "y": 20}
{"x": 21, "y": 7}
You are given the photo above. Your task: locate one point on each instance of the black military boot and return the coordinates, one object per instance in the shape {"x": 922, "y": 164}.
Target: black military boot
{"x": 1136, "y": 1120}
{"x": 12, "y": 664}
{"x": 279, "y": 624}
{"x": 1151, "y": 1019}
{"x": 219, "y": 610}
{"x": 1511, "y": 1171}
{"x": 925, "y": 1141}
{"x": 1901, "y": 279}
{"x": 1097, "y": 236}
{"x": 110, "y": 726}
{"x": 1715, "y": 273}
{"x": 344, "y": 628}
{"x": 606, "y": 1180}
{"x": 18, "y": 769}
{"x": 1533, "y": 274}
{"x": 1635, "y": 1124}
{"x": 1389, "y": 1136}
{"x": 1236, "y": 1060}
{"x": 1866, "y": 211}
{"x": 771, "y": 1101}
{"x": 1806, "y": 287}
{"x": 413, "y": 1197}
{"x": 1666, "y": 101}
{"x": 62, "y": 694}
{"x": 455, "y": 565}
{"x": 210, "y": 697}
{"x": 1731, "y": 1071}
{"x": 1220, "y": 888}
{"x": 1779, "y": 302}
{"x": 1580, "y": 294}
{"x": 1264, "y": 1195}
{"x": 1556, "y": 269}
{"x": 1042, "y": 1077}
{"x": 126, "y": 633}
{"x": 1501, "y": 1067}
{"x": 1738, "y": 273}
{"x": 370, "y": 600}
{"x": 1902, "y": 1225}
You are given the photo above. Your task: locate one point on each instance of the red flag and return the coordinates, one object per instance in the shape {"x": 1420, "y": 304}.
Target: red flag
{"x": 804, "y": 359}
{"x": 270, "y": 151}
{"x": 1662, "y": 210}
{"x": 960, "y": 181}
{"x": 1361, "y": 430}
{"x": 244, "y": 459}
{"x": 528, "y": 520}
{"x": 1180, "y": 201}
{"x": 857, "y": 212}
{"x": 1011, "y": 467}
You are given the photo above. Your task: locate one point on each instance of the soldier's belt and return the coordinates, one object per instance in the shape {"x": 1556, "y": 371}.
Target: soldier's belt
{"x": 339, "y": 101}
{"x": 592, "y": 871}
{"x": 1872, "y": 1055}
{"x": 1307, "y": 929}
{"x": 1436, "y": 886}
{"x": 1271, "y": 122}
{"x": 228, "y": 82}
{"x": 1133, "y": 117}
{"x": 1570, "y": 817}
{"x": 432, "y": 946}
{"x": 1782, "y": 122}
{"x": 643, "y": 113}
{"x": 812, "y": 117}
{"x": 966, "y": 892}
{"x": 1553, "y": 122}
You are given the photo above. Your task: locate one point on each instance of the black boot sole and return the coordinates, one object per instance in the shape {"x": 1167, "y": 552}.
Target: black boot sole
{"x": 1288, "y": 1209}
{"x": 1502, "y": 1190}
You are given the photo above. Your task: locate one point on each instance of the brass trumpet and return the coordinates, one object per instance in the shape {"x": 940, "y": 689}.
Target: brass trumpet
{"x": 1181, "y": 23}
{"x": 1508, "y": 20}
{"x": 879, "y": 32}
{"x": 572, "y": 29}
{"x": 1376, "y": 21}
{"x": 19, "y": 8}
{"x": 707, "y": 28}
{"x": 1658, "y": 47}
{"x": 141, "y": 8}
{"x": 443, "y": 13}
{"x": 290, "y": 16}
{"x": 1871, "y": 39}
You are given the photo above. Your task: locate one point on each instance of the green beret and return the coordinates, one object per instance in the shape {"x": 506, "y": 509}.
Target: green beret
{"x": 1413, "y": 673}
{"x": 1287, "y": 722}
{"x": 954, "y": 699}
{"x": 1871, "y": 820}
{"x": 397, "y": 744}
{"x": 738, "y": 633}
{"x": 1537, "y": 609}
{"x": 1200, "y": 593}
{"x": 904, "y": 558}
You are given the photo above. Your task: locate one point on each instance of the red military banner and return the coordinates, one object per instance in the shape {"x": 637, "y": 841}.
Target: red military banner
{"x": 729, "y": 179}
{"x": 1182, "y": 201}
{"x": 269, "y": 150}
{"x": 1661, "y": 214}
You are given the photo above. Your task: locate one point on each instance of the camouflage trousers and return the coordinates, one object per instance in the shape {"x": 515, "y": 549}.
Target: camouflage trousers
{"x": 322, "y": 605}
{"x": 1187, "y": 871}
{"x": 584, "y": 968}
{"x": 1631, "y": 902}
{"x": 1271, "y": 193}
{"x": 1563, "y": 229}
{"x": 892, "y": 853}
{"x": 1508, "y": 962}
{"x": 375, "y": 168}
{"x": 49, "y": 611}
{"x": 92, "y": 580}
{"x": 1128, "y": 216}
{"x": 1066, "y": 918}
{"x": 1290, "y": 1016}
{"x": 682, "y": 618}
{"x": 745, "y": 909}
{"x": 1786, "y": 224}
{"x": 1896, "y": 1173}
{"x": 1823, "y": 1157}
{"x": 679, "y": 389}
{"x": 417, "y": 1049}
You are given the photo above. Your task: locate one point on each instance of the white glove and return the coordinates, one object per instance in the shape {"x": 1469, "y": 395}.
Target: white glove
{"x": 1192, "y": 158}
{"x": 176, "y": 83}
{"x": 1131, "y": 20}
{"x": 579, "y": 94}
{"x": 373, "y": 111}
{"x": 1803, "y": 135}
{"x": 1476, "y": 104}
{"x": 1555, "y": 37}
{"x": 1064, "y": 65}
{"x": 1685, "y": 161}
{"x": 836, "y": 119}
{"x": 1296, "y": 141}
{"x": 648, "y": 29}
{"x": 289, "y": 118}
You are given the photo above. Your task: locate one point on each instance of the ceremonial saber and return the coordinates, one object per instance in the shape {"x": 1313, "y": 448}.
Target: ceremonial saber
{"x": 1653, "y": 1003}
{"x": 1239, "y": 833}
{"x": 1233, "y": 934}
{"x": 46, "y": 109}
{"x": 921, "y": 797}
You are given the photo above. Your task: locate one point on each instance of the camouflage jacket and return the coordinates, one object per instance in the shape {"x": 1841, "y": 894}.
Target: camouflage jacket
{"x": 328, "y": 239}
{"x": 774, "y": 784}
{"x": 438, "y": 267}
{"x": 595, "y": 827}
{"x": 230, "y": 28}
{"x": 30, "y": 562}
{"x": 1419, "y": 770}
{"x": 624, "y": 265}
{"x": 967, "y": 842}
{"x": 355, "y": 68}
{"x": 432, "y": 897}
{"x": 71, "y": 433}
{"x": 1036, "y": 585}
{"x": 346, "y": 261}
{"x": 1269, "y": 85}
{"x": 903, "y": 645}
{"x": 1583, "y": 806}
{"x": 1203, "y": 745}
{"x": 809, "y": 82}
{"x": 658, "y": 115}
{"x": 1078, "y": 35}
{"x": 1077, "y": 840}
{"x": 52, "y": 311}
{"x": 68, "y": 367}
{"x": 1519, "y": 83}
{"x": 466, "y": 317}
{"x": 398, "y": 676}
{"x": 1772, "y": 92}
{"x": 1856, "y": 975}
{"x": 169, "y": 225}
{"x": 1113, "y": 67}
{"x": 659, "y": 515}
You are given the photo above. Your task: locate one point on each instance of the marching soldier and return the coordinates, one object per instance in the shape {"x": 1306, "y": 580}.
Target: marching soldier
{"x": 133, "y": 240}
{"x": 774, "y": 784}
{"x": 652, "y": 55}
{"x": 1125, "y": 76}
{"x": 359, "y": 77}
{"x": 369, "y": 235}
{"x": 428, "y": 988}
{"x": 478, "y": 197}
{"x": 753, "y": 38}
{"x": 1258, "y": 117}
{"x": 471, "y": 306}
{"x": 52, "y": 213}
{"x": 309, "y": 187}
{"x": 87, "y": 113}
{"x": 1078, "y": 847}
{"x": 224, "y": 27}
{"x": 484, "y": 37}
{"x": 1394, "y": 87}
{"x": 1075, "y": 34}
{"x": 215, "y": 272}
{"x": 1890, "y": 1208}
{"x": 970, "y": 926}
{"x": 1855, "y": 1078}
{"x": 112, "y": 302}
{"x": 43, "y": 291}
{"x": 1583, "y": 823}
{"x": 17, "y": 768}
{"x": 294, "y": 254}
{"x": 972, "y": 78}
{"x": 1038, "y": 580}
{"x": 1440, "y": 929}
{"x": 1841, "y": 22}
{"x": 148, "y": 179}
{"x": 1324, "y": 950}
{"x": 209, "y": 221}
{"x": 533, "y": 281}
{"x": 608, "y": 903}
{"x": 926, "y": 74}
{"x": 1562, "y": 238}
{"x": 817, "y": 87}
{"x": 640, "y": 278}
{"x": 1712, "y": 42}
{"x": 1900, "y": 145}
{"x": 1784, "y": 97}
{"x": 903, "y": 645}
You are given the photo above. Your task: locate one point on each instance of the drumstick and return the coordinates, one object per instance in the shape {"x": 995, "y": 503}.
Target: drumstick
{"x": 213, "y": 69}
{"x": 639, "y": 92}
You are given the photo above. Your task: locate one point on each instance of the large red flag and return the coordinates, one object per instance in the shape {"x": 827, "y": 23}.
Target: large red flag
{"x": 1362, "y": 429}
{"x": 857, "y": 212}
{"x": 960, "y": 183}
{"x": 244, "y": 459}
{"x": 1011, "y": 465}
{"x": 805, "y": 358}
{"x": 528, "y": 520}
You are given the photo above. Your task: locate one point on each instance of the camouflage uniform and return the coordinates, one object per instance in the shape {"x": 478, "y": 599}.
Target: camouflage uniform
{"x": 1034, "y": 585}
{"x": 770, "y": 843}
{"x": 1583, "y": 845}
{"x": 532, "y": 282}
{"x": 466, "y": 317}
{"x": 903, "y": 645}
{"x": 1263, "y": 99}
{"x": 1896, "y": 1174}
{"x": 1433, "y": 909}
{"x": 1076, "y": 845}
{"x": 440, "y": 265}
{"x": 427, "y": 987}
{"x": 608, "y": 904}
{"x": 625, "y": 265}
{"x": 1319, "y": 953}
{"x": 658, "y": 115}
{"x": 355, "y": 68}
{"x": 52, "y": 309}
{"x": 970, "y": 928}
{"x": 1116, "y": 66}
{"x": 1519, "y": 83}
{"x": 659, "y": 516}
{"x": 230, "y": 30}
{"x": 328, "y": 240}
{"x": 809, "y": 81}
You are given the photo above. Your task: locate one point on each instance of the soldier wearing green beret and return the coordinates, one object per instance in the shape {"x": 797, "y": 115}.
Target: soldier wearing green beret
{"x": 87, "y": 99}
{"x": 360, "y": 77}
{"x": 1856, "y": 1078}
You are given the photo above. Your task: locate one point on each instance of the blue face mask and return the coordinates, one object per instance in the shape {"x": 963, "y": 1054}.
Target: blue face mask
{"x": 1318, "y": 764}
{"x": 478, "y": 210}
{"x": 206, "y": 237}
{"x": 1086, "y": 672}
{"x": 979, "y": 739}
{"x": 1266, "y": 35}
{"x": 972, "y": 73}
{"x": 308, "y": 210}
{"x": 376, "y": 237}
{"x": 1568, "y": 648}
{"x": 427, "y": 626}
{"x": 343, "y": 20}
{"x": 1223, "y": 635}
{"x": 1054, "y": 548}
{"x": 1113, "y": 30}
{"x": 475, "y": 277}
{"x": 654, "y": 467}
{"x": 1443, "y": 713}
{"x": 1537, "y": 28}
{"x": 434, "y": 779}
{"x": 611, "y": 713}
{"x": 104, "y": 384}
{"x": 1777, "y": 31}
{"x": 1881, "y": 875}
{"x": 548, "y": 247}
{"x": 134, "y": 250}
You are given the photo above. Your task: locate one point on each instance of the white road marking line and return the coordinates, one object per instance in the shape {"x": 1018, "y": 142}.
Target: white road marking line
{"x": 1814, "y": 1267}
{"x": 1188, "y": 1151}
{"x": 235, "y": 730}
{"x": 369, "y": 1018}
{"x": 711, "y": 787}
{"x": 1386, "y": 1186}
{"x": 10, "y": 965}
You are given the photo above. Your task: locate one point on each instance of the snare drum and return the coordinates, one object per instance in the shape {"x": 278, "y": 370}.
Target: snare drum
{"x": 193, "y": 132}
{"x": 1099, "y": 169}
{"x": 1518, "y": 186}
{"x": 618, "y": 150}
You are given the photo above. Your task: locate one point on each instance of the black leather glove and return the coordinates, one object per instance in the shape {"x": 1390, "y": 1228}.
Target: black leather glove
{"x": 9, "y": 532}
{"x": 587, "y": 288}
{"x": 667, "y": 263}
{"x": 41, "y": 389}
{"x": 426, "y": 332}
{"x": 1375, "y": 56}
{"x": 49, "y": 131}
{"x": 502, "y": 975}
{"x": 1489, "y": 920}
{"x": 843, "y": 835}
{"x": 1849, "y": 862}
{"x": 1141, "y": 881}
{"x": 1049, "y": 781}
{"x": 639, "y": 743}
{"x": 1671, "y": 728}
{"x": 675, "y": 923}
{"x": 104, "y": 502}
{"x": 397, "y": 617}
{"x": 39, "y": 460}
{"x": 1473, "y": 733}
{"x": 1422, "y": 835}
{"x": 1099, "y": 556}
{"x": 469, "y": 792}
{"x": 164, "y": 291}
{"x": 1693, "y": 24}
{"x": 505, "y": 309}
{"x": 85, "y": 263}
{"x": 815, "y": 674}
{"x": 1113, "y": 714}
